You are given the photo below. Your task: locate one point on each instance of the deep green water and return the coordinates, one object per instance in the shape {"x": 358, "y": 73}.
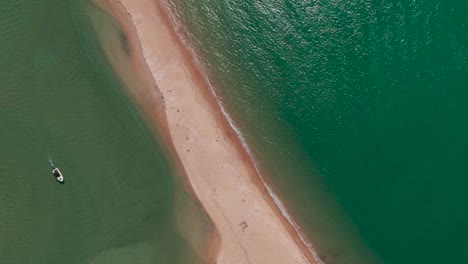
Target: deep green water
{"x": 60, "y": 100}
{"x": 358, "y": 113}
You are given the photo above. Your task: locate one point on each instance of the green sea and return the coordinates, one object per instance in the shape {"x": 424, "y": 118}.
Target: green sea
{"x": 355, "y": 111}
{"x": 62, "y": 104}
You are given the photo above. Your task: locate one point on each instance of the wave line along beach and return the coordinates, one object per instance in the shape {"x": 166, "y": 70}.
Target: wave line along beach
{"x": 251, "y": 226}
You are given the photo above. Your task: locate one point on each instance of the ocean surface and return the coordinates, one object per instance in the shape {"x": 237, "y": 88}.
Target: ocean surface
{"x": 61, "y": 103}
{"x": 357, "y": 114}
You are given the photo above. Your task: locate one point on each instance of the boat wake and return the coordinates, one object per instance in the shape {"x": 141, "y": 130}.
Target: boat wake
{"x": 51, "y": 163}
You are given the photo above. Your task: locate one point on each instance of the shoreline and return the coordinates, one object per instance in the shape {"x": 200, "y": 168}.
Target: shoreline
{"x": 239, "y": 140}
{"x": 234, "y": 154}
{"x": 138, "y": 93}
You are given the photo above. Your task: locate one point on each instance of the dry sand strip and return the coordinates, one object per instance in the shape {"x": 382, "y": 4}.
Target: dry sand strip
{"x": 249, "y": 224}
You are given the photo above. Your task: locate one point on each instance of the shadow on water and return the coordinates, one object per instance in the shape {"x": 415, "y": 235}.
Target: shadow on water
{"x": 124, "y": 43}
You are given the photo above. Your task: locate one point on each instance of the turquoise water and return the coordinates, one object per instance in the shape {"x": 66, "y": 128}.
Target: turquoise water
{"x": 357, "y": 112}
{"x": 61, "y": 102}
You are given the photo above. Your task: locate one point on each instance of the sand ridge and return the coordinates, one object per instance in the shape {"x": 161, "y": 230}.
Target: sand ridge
{"x": 221, "y": 176}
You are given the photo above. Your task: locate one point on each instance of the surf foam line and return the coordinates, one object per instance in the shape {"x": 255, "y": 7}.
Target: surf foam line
{"x": 272, "y": 194}
{"x": 175, "y": 21}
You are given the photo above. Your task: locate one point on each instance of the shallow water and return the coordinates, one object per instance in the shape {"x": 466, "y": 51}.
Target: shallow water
{"x": 61, "y": 102}
{"x": 356, "y": 110}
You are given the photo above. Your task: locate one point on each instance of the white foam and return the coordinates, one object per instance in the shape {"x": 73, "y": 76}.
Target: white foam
{"x": 232, "y": 124}
{"x": 272, "y": 194}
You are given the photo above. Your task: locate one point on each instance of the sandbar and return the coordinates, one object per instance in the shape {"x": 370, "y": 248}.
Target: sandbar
{"x": 250, "y": 228}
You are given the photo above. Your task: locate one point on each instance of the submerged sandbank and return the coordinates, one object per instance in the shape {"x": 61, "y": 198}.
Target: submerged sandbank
{"x": 251, "y": 226}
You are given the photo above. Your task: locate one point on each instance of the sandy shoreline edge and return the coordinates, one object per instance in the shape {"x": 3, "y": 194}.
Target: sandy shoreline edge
{"x": 252, "y": 223}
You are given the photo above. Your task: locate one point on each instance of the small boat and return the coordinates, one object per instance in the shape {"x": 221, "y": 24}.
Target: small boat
{"x": 58, "y": 175}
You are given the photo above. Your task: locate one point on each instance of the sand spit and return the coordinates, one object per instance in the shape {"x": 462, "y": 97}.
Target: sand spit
{"x": 250, "y": 225}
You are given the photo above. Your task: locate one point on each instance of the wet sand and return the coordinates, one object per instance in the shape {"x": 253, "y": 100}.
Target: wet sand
{"x": 176, "y": 96}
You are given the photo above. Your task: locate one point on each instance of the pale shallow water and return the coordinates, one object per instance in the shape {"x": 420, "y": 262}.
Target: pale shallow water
{"x": 61, "y": 102}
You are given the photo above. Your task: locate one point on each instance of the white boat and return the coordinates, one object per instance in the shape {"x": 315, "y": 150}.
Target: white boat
{"x": 58, "y": 175}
